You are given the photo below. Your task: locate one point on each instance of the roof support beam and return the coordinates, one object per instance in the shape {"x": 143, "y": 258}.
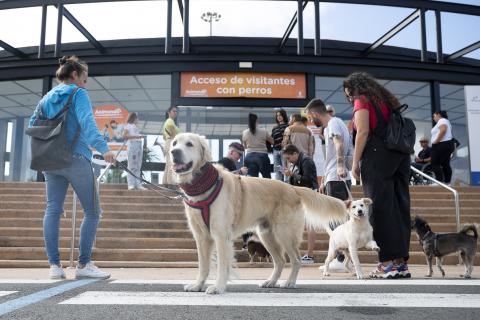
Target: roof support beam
{"x": 290, "y": 28}
{"x": 438, "y": 27}
{"x": 82, "y": 30}
{"x": 317, "y": 44}
{"x": 180, "y": 8}
{"x": 186, "y": 21}
{"x": 392, "y": 32}
{"x": 460, "y": 53}
{"x": 58, "y": 42}
{"x": 168, "y": 37}
{"x": 300, "y": 42}
{"x": 12, "y": 50}
{"x": 43, "y": 30}
{"x": 423, "y": 36}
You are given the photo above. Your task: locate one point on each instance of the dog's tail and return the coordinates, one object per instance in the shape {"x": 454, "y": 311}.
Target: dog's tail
{"x": 321, "y": 209}
{"x": 470, "y": 227}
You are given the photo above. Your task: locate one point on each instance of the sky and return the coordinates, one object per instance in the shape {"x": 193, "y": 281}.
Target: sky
{"x": 147, "y": 19}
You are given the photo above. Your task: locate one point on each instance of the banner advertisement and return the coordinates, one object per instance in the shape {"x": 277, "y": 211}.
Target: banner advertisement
{"x": 243, "y": 85}
{"x": 472, "y": 98}
{"x": 111, "y": 121}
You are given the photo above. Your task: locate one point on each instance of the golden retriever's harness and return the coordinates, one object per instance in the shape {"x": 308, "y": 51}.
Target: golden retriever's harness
{"x": 207, "y": 179}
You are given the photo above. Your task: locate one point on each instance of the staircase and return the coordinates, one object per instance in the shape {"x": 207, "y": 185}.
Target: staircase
{"x": 140, "y": 229}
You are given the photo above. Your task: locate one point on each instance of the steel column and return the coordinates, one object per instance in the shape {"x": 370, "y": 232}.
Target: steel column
{"x": 3, "y": 144}
{"x": 43, "y": 31}
{"x": 300, "y": 42}
{"x": 438, "y": 25}
{"x": 17, "y": 147}
{"x": 186, "y": 22}
{"x": 317, "y": 44}
{"x": 58, "y": 43}
{"x": 168, "y": 37}
{"x": 423, "y": 36}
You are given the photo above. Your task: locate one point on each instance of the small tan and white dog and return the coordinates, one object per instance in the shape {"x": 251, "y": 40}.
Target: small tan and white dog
{"x": 354, "y": 234}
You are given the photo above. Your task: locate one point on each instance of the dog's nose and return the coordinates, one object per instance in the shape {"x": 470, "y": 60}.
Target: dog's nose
{"x": 176, "y": 155}
{"x": 360, "y": 212}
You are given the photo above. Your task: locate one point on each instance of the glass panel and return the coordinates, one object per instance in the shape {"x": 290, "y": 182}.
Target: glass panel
{"x": 453, "y": 101}
{"x": 19, "y": 98}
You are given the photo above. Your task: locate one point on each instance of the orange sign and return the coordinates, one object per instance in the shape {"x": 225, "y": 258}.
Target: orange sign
{"x": 243, "y": 85}
{"x": 111, "y": 121}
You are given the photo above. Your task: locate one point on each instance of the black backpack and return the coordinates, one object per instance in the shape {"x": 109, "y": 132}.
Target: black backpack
{"x": 399, "y": 132}
{"x": 50, "y": 149}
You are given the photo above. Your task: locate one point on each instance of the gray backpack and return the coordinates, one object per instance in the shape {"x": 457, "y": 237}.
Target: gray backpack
{"x": 50, "y": 149}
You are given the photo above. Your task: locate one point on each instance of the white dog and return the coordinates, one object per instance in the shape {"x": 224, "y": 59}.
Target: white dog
{"x": 220, "y": 206}
{"x": 354, "y": 234}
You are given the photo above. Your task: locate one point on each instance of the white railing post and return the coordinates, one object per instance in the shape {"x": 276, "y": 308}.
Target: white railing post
{"x": 74, "y": 222}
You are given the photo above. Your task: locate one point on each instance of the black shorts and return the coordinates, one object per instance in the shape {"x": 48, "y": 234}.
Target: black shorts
{"x": 337, "y": 189}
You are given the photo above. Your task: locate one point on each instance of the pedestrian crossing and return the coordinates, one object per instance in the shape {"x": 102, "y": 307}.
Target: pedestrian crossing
{"x": 412, "y": 293}
{"x": 274, "y": 299}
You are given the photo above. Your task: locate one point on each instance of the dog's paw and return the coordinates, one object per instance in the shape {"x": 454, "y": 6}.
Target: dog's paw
{"x": 466, "y": 276}
{"x": 288, "y": 285}
{"x": 269, "y": 284}
{"x": 376, "y": 248}
{"x": 214, "y": 289}
{"x": 326, "y": 274}
{"x": 194, "y": 287}
{"x": 360, "y": 276}
{"x": 428, "y": 275}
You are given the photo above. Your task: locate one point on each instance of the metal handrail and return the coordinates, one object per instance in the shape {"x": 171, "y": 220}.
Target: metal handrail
{"x": 74, "y": 207}
{"x": 455, "y": 194}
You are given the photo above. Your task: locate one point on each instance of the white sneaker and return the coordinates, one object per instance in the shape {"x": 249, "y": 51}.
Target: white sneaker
{"x": 131, "y": 188}
{"x": 335, "y": 266}
{"x": 56, "y": 272}
{"x": 141, "y": 188}
{"x": 90, "y": 271}
{"x": 306, "y": 259}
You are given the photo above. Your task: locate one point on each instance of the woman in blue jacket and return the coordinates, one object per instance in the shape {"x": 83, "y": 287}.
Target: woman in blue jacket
{"x": 73, "y": 73}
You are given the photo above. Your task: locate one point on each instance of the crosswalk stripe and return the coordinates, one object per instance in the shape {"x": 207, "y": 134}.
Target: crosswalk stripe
{"x": 6, "y": 293}
{"x": 269, "y": 299}
{"x": 405, "y": 282}
{"x": 27, "y": 281}
{"x": 24, "y": 301}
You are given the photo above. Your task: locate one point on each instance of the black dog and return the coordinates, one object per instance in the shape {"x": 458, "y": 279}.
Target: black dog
{"x": 256, "y": 248}
{"x": 439, "y": 245}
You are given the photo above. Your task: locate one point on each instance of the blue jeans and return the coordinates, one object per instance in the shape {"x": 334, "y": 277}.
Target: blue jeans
{"x": 258, "y": 162}
{"x": 80, "y": 175}
{"x": 278, "y": 162}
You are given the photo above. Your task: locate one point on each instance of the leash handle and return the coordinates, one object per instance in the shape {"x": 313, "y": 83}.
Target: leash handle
{"x": 350, "y": 196}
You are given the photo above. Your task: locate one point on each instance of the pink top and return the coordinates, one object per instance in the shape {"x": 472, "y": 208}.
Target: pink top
{"x": 364, "y": 103}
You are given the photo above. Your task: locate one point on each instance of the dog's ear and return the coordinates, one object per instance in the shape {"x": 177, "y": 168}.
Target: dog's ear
{"x": 348, "y": 203}
{"x": 206, "y": 155}
{"x": 367, "y": 201}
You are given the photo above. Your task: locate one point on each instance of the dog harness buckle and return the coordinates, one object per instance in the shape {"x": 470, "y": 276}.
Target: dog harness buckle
{"x": 204, "y": 205}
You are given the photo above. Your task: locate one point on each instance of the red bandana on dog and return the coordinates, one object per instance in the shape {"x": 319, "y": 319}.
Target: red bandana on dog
{"x": 207, "y": 178}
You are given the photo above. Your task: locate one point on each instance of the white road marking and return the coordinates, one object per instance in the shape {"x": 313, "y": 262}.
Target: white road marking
{"x": 269, "y": 299}
{"x": 27, "y": 281}
{"x": 6, "y": 293}
{"x": 404, "y": 282}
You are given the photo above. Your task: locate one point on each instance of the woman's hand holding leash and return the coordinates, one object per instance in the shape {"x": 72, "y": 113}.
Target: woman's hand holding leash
{"x": 109, "y": 157}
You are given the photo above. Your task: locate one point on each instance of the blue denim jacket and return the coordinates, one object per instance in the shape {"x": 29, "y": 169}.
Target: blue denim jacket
{"x": 80, "y": 113}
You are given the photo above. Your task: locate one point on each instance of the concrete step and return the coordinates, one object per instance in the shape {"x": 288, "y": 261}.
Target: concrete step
{"x": 160, "y": 215}
{"x": 134, "y": 224}
{"x": 149, "y": 243}
{"x": 105, "y": 223}
{"x": 147, "y": 258}
{"x": 107, "y": 200}
{"x": 159, "y": 207}
{"x": 114, "y": 206}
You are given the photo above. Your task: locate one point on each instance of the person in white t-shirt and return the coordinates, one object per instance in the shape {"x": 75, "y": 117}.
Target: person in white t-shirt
{"x": 442, "y": 147}
{"x": 337, "y": 181}
{"x": 135, "y": 151}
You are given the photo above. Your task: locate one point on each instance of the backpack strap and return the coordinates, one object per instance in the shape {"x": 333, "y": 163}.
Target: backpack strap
{"x": 380, "y": 129}
{"x": 66, "y": 108}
